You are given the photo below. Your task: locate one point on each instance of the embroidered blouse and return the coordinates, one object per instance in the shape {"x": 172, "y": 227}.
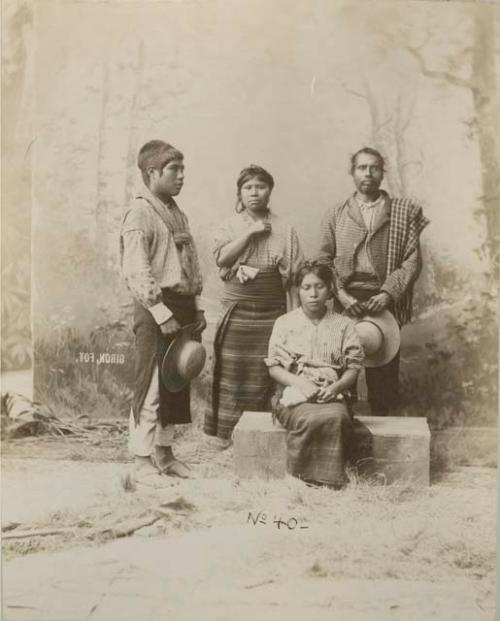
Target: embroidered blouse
{"x": 332, "y": 342}
{"x": 280, "y": 249}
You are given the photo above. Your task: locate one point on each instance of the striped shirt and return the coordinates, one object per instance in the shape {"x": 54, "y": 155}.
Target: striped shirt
{"x": 332, "y": 342}
{"x": 371, "y": 213}
{"x": 280, "y": 249}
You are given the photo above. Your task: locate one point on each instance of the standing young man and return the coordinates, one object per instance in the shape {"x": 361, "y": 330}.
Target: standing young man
{"x": 371, "y": 241}
{"x": 161, "y": 269}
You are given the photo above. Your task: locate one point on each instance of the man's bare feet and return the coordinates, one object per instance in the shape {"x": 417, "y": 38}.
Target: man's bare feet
{"x": 168, "y": 464}
{"x": 146, "y": 473}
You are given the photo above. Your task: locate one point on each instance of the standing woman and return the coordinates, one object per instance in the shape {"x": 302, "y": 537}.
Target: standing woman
{"x": 257, "y": 255}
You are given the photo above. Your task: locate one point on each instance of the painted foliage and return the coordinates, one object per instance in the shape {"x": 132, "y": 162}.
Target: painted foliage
{"x": 215, "y": 80}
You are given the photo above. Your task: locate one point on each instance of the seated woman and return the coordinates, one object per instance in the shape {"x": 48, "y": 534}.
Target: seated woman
{"x": 315, "y": 356}
{"x": 257, "y": 254}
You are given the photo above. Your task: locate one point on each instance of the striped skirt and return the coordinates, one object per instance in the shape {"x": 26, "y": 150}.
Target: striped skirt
{"x": 318, "y": 440}
{"x": 240, "y": 378}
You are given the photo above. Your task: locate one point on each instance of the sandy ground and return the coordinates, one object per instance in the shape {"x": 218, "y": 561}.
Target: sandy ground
{"x": 365, "y": 552}
{"x": 215, "y": 575}
{"x": 225, "y": 549}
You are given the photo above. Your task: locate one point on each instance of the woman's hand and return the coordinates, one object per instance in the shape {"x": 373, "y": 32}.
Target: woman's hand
{"x": 307, "y": 388}
{"x": 327, "y": 393}
{"x": 230, "y": 252}
{"x": 261, "y": 227}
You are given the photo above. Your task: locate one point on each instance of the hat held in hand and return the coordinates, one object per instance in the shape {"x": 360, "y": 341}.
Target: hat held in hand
{"x": 183, "y": 361}
{"x": 380, "y": 337}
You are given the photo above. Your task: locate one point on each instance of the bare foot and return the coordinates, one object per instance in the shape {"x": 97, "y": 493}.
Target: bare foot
{"x": 146, "y": 473}
{"x": 177, "y": 468}
{"x": 168, "y": 464}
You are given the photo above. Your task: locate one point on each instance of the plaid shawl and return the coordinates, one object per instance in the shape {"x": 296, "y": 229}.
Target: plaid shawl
{"x": 406, "y": 224}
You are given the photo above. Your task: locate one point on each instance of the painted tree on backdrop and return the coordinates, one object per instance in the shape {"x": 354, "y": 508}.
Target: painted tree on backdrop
{"x": 480, "y": 81}
{"x": 82, "y": 343}
{"x": 391, "y": 133}
{"x": 472, "y": 335}
{"x": 133, "y": 139}
{"x": 102, "y": 178}
{"x": 454, "y": 378}
{"x": 465, "y": 60}
{"x": 467, "y": 64}
{"x": 83, "y": 352}
{"x": 17, "y": 98}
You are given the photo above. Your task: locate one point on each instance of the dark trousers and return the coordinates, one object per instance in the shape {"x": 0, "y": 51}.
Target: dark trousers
{"x": 383, "y": 387}
{"x": 382, "y": 382}
{"x": 150, "y": 348}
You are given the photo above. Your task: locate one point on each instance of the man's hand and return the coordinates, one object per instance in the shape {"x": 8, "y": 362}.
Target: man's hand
{"x": 378, "y": 303}
{"x": 170, "y": 327}
{"x": 307, "y": 388}
{"x": 356, "y": 309}
{"x": 201, "y": 323}
{"x": 353, "y": 308}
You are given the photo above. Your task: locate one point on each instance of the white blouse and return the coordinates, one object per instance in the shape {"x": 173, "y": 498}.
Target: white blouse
{"x": 332, "y": 342}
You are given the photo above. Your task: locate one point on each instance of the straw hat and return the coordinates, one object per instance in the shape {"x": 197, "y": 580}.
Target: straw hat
{"x": 183, "y": 361}
{"x": 380, "y": 337}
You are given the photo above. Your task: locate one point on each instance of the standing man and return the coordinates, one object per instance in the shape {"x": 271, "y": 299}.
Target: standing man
{"x": 161, "y": 269}
{"x": 371, "y": 242}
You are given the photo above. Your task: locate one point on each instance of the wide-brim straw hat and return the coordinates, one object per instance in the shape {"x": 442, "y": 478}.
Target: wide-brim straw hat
{"x": 183, "y": 360}
{"x": 380, "y": 337}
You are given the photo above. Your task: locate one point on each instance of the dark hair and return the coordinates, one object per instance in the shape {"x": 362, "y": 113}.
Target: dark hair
{"x": 249, "y": 173}
{"x": 367, "y": 151}
{"x": 156, "y": 154}
{"x": 321, "y": 270}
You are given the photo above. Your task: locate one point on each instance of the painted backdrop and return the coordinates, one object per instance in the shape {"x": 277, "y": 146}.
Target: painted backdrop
{"x": 296, "y": 87}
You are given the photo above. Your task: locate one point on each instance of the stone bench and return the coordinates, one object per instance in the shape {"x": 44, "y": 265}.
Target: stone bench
{"x": 393, "y": 448}
{"x": 387, "y": 449}
{"x": 259, "y": 447}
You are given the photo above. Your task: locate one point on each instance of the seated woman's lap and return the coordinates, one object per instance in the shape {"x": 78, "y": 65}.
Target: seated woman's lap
{"x": 314, "y": 415}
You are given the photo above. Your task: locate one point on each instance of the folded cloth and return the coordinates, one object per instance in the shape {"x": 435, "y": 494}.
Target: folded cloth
{"x": 316, "y": 371}
{"x": 292, "y": 396}
{"x": 245, "y": 272}
{"x": 321, "y": 376}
